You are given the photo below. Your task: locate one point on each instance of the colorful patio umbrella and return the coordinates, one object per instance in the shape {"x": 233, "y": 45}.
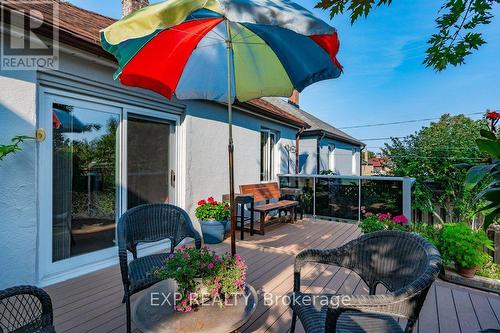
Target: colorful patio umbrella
{"x": 223, "y": 50}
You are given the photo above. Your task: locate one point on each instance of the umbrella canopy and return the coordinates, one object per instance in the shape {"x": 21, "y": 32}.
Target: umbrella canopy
{"x": 223, "y": 50}
{"x": 179, "y": 47}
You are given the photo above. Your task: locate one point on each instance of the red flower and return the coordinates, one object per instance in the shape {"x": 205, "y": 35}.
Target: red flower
{"x": 492, "y": 115}
{"x": 211, "y": 200}
{"x": 201, "y": 202}
{"x": 400, "y": 219}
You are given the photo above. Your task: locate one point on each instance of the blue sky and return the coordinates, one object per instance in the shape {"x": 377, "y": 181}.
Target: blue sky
{"x": 384, "y": 80}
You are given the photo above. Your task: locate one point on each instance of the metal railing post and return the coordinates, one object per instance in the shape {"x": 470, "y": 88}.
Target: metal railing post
{"x": 407, "y": 184}
{"x": 314, "y": 197}
{"x": 359, "y": 200}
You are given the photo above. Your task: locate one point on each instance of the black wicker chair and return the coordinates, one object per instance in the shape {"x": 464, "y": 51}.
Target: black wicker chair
{"x": 26, "y": 309}
{"x": 405, "y": 263}
{"x": 149, "y": 223}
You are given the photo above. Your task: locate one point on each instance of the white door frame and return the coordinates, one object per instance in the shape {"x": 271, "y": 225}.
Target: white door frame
{"x": 49, "y": 272}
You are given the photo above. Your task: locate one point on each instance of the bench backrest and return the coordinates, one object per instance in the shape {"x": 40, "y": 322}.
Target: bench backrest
{"x": 261, "y": 192}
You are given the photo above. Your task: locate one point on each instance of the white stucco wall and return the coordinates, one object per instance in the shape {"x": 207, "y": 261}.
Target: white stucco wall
{"x": 18, "y": 200}
{"x": 343, "y": 156}
{"x": 206, "y": 142}
{"x": 308, "y": 155}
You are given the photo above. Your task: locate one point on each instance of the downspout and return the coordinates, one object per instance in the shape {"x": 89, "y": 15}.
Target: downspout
{"x": 318, "y": 150}
{"x": 361, "y": 160}
{"x": 297, "y": 155}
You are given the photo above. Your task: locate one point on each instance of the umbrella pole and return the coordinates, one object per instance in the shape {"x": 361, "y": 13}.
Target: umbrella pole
{"x": 230, "y": 147}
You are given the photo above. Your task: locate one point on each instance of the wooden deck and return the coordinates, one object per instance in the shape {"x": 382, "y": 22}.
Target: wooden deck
{"x": 92, "y": 303}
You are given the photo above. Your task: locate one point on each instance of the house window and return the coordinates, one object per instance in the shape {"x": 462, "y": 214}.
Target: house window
{"x": 353, "y": 163}
{"x": 267, "y": 155}
{"x": 331, "y": 158}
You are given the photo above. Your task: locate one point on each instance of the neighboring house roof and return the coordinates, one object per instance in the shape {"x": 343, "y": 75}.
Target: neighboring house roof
{"x": 317, "y": 126}
{"x": 273, "y": 109}
{"x": 80, "y": 28}
{"x": 377, "y": 162}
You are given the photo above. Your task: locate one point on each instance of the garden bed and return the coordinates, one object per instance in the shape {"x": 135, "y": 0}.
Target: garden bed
{"x": 477, "y": 282}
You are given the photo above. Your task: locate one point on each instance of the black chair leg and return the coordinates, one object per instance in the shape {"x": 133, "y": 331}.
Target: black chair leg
{"x": 294, "y": 320}
{"x": 129, "y": 324}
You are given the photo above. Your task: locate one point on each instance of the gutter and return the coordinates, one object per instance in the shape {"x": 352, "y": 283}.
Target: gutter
{"x": 318, "y": 150}
{"x": 297, "y": 145}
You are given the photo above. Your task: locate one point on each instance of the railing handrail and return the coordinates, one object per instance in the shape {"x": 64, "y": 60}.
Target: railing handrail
{"x": 407, "y": 183}
{"x": 349, "y": 177}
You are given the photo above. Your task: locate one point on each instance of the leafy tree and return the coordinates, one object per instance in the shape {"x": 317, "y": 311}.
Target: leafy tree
{"x": 436, "y": 156}
{"x": 457, "y": 25}
{"x": 489, "y": 144}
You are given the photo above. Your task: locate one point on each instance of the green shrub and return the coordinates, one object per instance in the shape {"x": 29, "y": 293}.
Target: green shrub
{"x": 490, "y": 270}
{"x": 371, "y": 224}
{"x": 428, "y": 231}
{"x": 464, "y": 246}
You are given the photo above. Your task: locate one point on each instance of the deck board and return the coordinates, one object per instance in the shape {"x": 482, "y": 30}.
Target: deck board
{"x": 92, "y": 303}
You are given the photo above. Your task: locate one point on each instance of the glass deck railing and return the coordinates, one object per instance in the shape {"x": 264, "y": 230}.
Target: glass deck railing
{"x": 348, "y": 197}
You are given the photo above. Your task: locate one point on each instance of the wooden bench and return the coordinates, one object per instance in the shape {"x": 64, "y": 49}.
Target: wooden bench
{"x": 265, "y": 193}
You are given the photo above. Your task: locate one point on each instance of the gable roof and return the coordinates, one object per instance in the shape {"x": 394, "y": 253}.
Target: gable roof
{"x": 78, "y": 27}
{"x": 316, "y": 125}
{"x": 81, "y": 28}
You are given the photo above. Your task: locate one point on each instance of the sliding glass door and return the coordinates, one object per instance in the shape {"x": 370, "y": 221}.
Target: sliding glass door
{"x": 84, "y": 155}
{"x": 98, "y": 160}
{"x": 150, "y": 178}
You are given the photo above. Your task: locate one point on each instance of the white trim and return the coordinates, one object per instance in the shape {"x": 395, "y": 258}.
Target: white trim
{"x": 71, "y": 83}
{"x": 46, "y": 265}
{"x": 143, "y": 249}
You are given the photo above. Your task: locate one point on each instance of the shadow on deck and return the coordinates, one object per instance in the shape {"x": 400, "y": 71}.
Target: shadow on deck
{"x": 92, "y": 303}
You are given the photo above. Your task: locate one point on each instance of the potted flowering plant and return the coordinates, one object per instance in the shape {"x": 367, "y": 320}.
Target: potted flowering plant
{"x": 213, "y": 217}
{"x": 202, "y": 275}
{"x": 383, "y": 221}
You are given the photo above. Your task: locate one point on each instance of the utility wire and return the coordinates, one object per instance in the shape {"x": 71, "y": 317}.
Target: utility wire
{"x": 403, "y": 121}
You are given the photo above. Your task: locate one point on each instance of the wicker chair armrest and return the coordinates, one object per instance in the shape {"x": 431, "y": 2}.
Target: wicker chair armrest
{"x": 196, "y": 235}
{"x": 123, "y": 257}
{"x": 46, "y": 319}
{"x": 317, "y": 256}
{"x": 388, "y": 304}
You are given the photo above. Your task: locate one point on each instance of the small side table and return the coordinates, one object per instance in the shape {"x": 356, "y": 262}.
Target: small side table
{"x": 240, "y": 200}
{"x": 153, "y": 312}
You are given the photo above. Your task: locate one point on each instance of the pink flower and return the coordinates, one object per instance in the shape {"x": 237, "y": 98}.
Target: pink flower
{"x": 368, "y": 214}
{"x": 184, "y": 302}
{"x": 217, "y": 279}
{"x": 188, "y": 309}
{"x": 383, "y": 216}
{"x": 400, "y": 219}
{"x": 217, "y": 258}
{"x": 193, "y": 296}
{"x": 211, "y": 265}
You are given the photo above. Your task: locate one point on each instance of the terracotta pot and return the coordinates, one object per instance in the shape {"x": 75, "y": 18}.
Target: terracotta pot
{"x": 466, "y": 272}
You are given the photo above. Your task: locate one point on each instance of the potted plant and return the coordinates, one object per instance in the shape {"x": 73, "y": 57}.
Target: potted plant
{"x": 465, "y": 247}
{"x": 202, "y": 275}
{"x": 213, "y": 217}
{"x": 381, "y": 221}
